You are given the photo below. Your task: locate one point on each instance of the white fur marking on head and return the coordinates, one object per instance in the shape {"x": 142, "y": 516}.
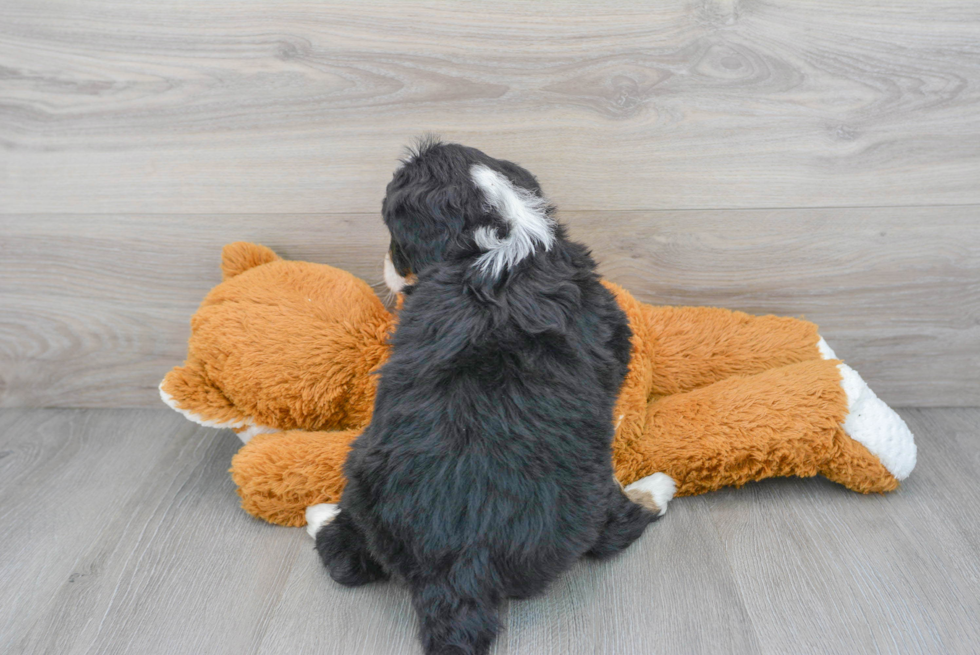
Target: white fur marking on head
{"x": 394, "y": 281}
{"x": 525, "y": 213}
{"x": 877, "y": 426}
{"x": 318, "y": 516}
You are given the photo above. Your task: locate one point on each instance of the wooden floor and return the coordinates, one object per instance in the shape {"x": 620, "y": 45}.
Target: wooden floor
{"x": 122, "y": 534}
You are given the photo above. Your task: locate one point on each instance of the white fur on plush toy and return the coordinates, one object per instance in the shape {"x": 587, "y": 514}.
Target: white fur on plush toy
{"x": 245, "y": 429}
{"x": 877, "y": 426}
{"x": 874, "y": 424}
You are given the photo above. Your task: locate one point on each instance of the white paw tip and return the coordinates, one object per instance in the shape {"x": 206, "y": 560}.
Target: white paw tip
{"x": 249, "y": 431}
{"x": 318, "y": 516}
{"x": 877, "y": 426}
{"x": 659, "y": 485}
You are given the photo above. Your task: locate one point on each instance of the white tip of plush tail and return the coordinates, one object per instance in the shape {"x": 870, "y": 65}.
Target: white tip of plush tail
{"x": 525, "y": 213}
{"x": 877, "y": 426}
{"x": 874, "y": 424}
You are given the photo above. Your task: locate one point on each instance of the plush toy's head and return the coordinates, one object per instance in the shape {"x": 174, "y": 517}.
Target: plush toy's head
{"x": 322, "y": 332}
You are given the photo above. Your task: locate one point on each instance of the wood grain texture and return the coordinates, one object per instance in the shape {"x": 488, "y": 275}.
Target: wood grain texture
{"x": 64, "y": 476}
{"x": 301, "y": 106}
{"x": 121, "y": 542}
{"x": 856, "y": 574}
{"x": 122, "y": 534}
{"x": 621, "y": 606}
{"x": 895, "y": 291}
{"x": 96, "y": 309}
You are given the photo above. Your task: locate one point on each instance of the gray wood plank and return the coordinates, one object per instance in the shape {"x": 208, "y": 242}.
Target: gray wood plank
{"x": 631, "y": 604}
{"x": 302, "y": 106}
{"x": 624, "y": 605}
{"x": 842, "y": 573}
{"x": 952, "y": 463}
{"x": 122, "y": 534}
{"x": 121, "y": 542}
{"x": 96, "y": 309}
{"x": 65, "y": 478}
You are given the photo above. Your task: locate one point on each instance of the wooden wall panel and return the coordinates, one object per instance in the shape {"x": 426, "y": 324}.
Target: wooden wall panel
{"x": 95, "y": 309}
{"x": 137, "y": 137}
{"x": 301, "y": 107}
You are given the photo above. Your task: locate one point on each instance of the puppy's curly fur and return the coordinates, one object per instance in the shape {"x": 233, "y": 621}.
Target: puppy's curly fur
{"x": 486, "y": 470}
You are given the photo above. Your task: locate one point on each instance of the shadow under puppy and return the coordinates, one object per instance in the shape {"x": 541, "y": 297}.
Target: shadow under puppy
{"x": 486, "y": 469}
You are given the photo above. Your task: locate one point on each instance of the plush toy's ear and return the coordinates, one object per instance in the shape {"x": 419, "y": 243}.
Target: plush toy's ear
{"x": 240, "y": 256}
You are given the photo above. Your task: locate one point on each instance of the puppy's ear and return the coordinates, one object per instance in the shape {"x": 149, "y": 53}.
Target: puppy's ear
{"x": 526, "y": 215}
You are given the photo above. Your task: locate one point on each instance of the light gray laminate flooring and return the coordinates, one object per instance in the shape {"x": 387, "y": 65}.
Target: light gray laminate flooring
{"x": 121, "y": 533}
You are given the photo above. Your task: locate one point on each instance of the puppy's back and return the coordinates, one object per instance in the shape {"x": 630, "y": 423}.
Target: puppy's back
{"x": 487, "y": 464}
{"x": 486, "y": 469}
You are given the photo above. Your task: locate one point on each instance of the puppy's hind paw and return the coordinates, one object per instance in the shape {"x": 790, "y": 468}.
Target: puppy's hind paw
{"x": 318, "y": 516}
{"x": 653, "y": 492}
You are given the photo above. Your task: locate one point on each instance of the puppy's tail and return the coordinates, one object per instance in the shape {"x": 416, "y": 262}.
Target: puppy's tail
{"x": 527, "y": 215}
{"x": 457, "y": 614}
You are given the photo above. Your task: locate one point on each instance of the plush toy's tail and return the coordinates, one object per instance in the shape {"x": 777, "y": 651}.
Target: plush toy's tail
{"x": 748, "y": 397}
{"x": 240, "y": 256}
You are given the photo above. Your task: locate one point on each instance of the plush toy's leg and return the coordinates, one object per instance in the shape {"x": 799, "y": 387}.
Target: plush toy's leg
{"x": 698, "y": 346}
{"x": 678, "y": 349}
{"x": 873, "y": 423}
{"x": 781, "y": 422}
{"x": 876, "y": 426}
{"x": 280, "y": 475}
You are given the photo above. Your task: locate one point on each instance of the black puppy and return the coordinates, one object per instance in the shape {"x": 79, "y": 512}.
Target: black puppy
{"x": 486, "y": 470}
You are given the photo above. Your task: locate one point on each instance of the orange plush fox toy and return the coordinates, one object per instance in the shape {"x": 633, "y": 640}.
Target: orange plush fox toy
{"x": 283, "y": 353}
